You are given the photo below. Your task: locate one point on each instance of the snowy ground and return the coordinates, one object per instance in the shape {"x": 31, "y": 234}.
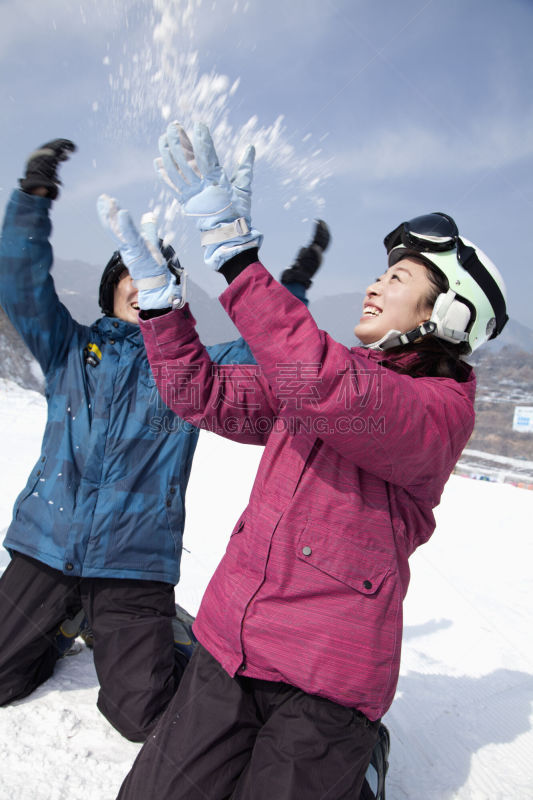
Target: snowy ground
{"x": 461, "y": 724}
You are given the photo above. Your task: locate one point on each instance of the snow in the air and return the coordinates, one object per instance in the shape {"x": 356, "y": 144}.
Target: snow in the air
{"x": 461, "y": 724}
{"x": 165, "y": 79}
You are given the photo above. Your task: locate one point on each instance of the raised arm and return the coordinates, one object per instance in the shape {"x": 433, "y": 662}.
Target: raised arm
{"x": 228, "y": 399}
{"x": 27, "y": 291}
{"x": 394, "y": 426}
{"x": 400, "y": 428}
{"x": 232, "y": 400}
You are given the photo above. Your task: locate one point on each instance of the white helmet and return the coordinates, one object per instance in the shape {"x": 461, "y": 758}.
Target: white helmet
{"x": 473, "y": 309}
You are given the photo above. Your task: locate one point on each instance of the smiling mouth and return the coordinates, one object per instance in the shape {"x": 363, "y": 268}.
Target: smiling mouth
{"x": 135, "y": 305}
{"x": 371, "y": 311}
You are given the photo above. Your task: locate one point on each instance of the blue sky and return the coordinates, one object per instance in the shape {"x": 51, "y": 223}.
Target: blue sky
{"x": 364, "y": 112}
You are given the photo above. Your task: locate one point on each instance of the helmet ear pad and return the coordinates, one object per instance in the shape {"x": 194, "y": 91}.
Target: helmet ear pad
{"x": 451, "y": 316}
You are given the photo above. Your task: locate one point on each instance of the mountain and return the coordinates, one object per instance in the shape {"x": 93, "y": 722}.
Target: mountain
{"x": 504, "y": 367}
{"x": 504, "y": 381}
{"x": 16, "y": 362}
{"x": 338, "y": 314}
{"x": 77, "y": 286}
{"x": 514, "y": 335}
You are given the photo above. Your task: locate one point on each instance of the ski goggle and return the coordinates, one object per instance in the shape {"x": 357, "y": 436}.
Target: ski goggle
{"x": 431, "y": 233}
{"x": 438, "y": 233}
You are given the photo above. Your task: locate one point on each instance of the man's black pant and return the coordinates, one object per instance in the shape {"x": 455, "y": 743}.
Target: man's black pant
{"x": 133, "y": 639}
{"x": 248, "y": 739}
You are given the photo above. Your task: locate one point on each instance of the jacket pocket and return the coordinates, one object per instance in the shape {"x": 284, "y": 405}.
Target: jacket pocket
{"x": 145, "y": 400}
{"x": 343, "y": 560}
{"x": 32, "y": 484}
{"x": 239, "y": 524}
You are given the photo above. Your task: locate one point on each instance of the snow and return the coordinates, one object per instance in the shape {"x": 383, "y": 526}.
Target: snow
{"x": 164, "y": 79}
{"x": 461, "y": 724}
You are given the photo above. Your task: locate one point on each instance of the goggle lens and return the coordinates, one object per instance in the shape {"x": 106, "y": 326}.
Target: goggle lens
{"x": 430, "y": 232}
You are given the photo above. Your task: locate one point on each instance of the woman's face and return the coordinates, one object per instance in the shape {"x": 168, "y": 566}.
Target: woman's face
{"x": 396, "y": 301}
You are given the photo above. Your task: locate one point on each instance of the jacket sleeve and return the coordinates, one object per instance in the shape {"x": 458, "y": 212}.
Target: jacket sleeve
{"x": 402, "y": 429}
{"x": 230, "y": 399}
{"x": 238, "y": 352}
{"x": 27, "y": 291}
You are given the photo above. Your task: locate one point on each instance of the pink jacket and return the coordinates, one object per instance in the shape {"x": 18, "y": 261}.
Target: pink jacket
{"x": 310, "y": 589}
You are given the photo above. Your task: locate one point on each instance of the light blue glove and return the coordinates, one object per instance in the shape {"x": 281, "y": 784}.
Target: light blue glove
{"x": 222, "y": 207}
{"x": 140, "y": 252}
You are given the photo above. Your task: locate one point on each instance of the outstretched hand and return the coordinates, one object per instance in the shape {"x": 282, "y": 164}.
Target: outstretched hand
{"x": 141, "y": 254}
{"x": 221, "y": 207}
{"x": 41, "y": 167}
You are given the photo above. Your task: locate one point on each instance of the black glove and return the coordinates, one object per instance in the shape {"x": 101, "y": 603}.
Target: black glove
{"x": 41, "y": 166}
{"x": 309, "y": 258}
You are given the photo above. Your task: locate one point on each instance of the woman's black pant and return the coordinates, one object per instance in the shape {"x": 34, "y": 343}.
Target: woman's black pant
{"x": 243, "y": 738}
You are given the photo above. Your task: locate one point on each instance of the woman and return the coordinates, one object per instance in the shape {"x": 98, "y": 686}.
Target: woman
{"x": 300, "y": 627}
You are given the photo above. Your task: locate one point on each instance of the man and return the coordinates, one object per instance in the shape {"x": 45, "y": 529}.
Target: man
{"x": 99, "y": 524}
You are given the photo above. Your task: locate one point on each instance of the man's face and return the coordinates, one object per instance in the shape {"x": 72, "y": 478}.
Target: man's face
{"x": 125, "y": 299}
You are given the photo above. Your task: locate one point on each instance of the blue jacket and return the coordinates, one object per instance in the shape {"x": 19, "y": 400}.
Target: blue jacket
{"x": 106, "y": 497}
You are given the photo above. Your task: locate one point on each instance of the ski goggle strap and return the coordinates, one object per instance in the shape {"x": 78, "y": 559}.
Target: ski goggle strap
{"x": 437, "y": 232}
{"x": 467, "y": 258}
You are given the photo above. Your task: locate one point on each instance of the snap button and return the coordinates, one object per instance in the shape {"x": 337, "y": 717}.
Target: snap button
{"x": 367, "y": 584}
{"x": 115, "y": 324}
{"x": 69, "y": 566}
{"x": 38, "y": 472}
{"x": 111, "y": 341}
{"x": 306, "y": 550}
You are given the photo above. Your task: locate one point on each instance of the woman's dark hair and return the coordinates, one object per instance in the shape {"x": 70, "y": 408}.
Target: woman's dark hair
{"x": 436, "y": 358}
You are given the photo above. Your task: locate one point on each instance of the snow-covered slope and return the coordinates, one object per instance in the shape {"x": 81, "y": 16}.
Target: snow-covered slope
{"x": 461, "y": 723}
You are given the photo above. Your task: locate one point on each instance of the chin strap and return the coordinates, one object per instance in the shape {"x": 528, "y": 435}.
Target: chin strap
{"x": 394, "y": 338}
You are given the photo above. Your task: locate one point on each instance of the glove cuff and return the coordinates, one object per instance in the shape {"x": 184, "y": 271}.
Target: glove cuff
{"x": 169, "y": 295}
{"x": 232, "y": 269}
{"x": 215, "y": 255}
{"x": 156, "y": 282}
{"x": 295, "y": 275}
{"x": 223, "y": 233}
{"x": 29, "y": 183}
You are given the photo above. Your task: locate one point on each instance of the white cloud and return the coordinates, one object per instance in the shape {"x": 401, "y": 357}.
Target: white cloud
{"x": 414, "y": 151}
{"x": 129, "y": 167}
{"x": 24, "y": 21}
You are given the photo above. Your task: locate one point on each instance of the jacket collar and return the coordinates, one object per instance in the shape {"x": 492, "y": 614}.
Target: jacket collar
{"x": 403, "y": 358}
{"x": 114, "y": 328}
